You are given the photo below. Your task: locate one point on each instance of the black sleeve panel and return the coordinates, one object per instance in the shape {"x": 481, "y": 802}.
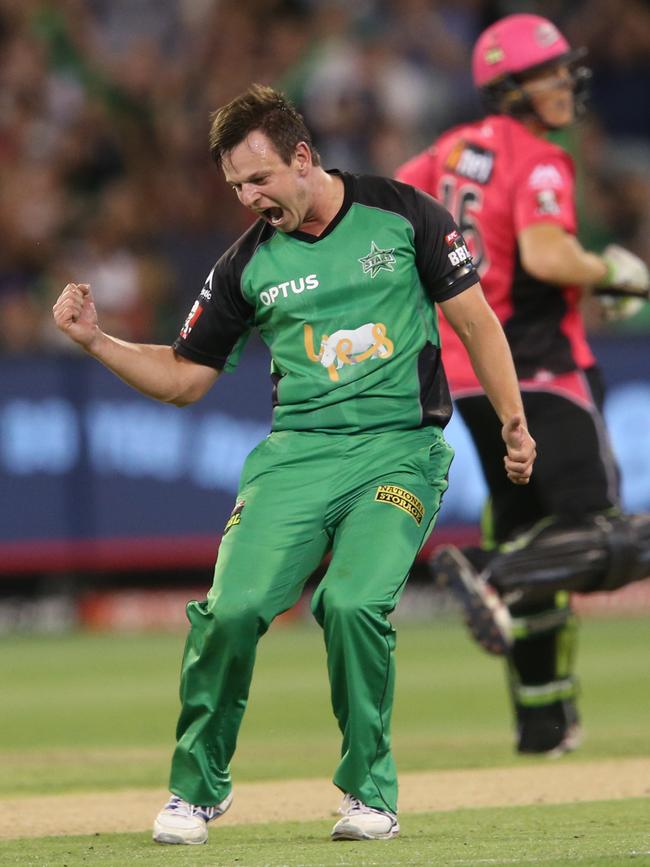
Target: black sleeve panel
{"x": 441, "y": 255}
{"x": 221, "y": 315}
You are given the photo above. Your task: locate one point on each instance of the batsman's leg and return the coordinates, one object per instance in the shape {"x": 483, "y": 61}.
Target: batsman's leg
{"x": 543, "y": 686}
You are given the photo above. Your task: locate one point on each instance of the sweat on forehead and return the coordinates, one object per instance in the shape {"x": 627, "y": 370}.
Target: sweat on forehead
{"x": 252, "y": 154}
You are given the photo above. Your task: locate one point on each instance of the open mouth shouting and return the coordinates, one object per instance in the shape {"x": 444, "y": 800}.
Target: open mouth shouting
{"x": 273, "y": 215}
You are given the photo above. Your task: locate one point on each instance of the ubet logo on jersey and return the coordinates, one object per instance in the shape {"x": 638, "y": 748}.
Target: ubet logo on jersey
{"x": 282, "y": 290}
{"x": 349, "y": 346}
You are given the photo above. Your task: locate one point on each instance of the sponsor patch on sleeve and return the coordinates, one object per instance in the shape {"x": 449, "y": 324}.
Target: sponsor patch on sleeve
{"x": 547, "y": 203}
{"x": 403, "y": 499}
{"x": 192, "y": 319}
{"x": 235, "y": 516}
{"x": 458, "y": 254}
{"x": 545, "y": 176}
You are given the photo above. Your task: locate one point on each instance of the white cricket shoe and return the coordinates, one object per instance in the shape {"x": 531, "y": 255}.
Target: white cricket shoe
{"x": 360, "y": 822}
{"x": 182, "y": 822}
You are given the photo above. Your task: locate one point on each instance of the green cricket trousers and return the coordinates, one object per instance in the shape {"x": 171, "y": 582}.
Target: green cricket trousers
{"x": 370, "y": 499}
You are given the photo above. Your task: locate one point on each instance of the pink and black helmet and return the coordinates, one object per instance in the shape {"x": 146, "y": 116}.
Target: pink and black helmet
{"x": 515, "y": 45}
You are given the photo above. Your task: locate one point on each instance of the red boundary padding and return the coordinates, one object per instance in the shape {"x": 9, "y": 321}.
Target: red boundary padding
{"x": 156, "y": 552}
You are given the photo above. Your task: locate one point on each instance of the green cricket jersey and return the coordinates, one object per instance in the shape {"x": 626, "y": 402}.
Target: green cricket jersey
{"x": 349, "y": 316}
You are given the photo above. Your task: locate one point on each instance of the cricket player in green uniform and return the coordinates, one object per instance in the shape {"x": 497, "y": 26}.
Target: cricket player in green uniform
{"x": 340, "y": 275}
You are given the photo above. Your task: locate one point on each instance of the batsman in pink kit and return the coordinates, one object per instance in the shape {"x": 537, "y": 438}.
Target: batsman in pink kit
{"x": 512, "y": 193}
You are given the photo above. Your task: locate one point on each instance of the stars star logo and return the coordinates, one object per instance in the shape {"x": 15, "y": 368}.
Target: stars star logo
{"x": 377, "y": 260}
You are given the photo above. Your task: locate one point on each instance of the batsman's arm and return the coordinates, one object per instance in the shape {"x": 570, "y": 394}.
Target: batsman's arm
{"x": 554, "y": 256}
{"x": 156, "y": 371}
{"x": 474, "y": 321}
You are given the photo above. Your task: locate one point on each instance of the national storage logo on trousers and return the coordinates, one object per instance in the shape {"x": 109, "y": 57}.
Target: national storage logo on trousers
{"x": 401, "y": 498}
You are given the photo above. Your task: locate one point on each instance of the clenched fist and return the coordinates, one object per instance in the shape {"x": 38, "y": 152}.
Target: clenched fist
{"x": 521, "y": 451}
{"x": 75, "y": 315}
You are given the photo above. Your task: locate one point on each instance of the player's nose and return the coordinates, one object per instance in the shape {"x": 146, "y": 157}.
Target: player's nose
{"x": 249, "y": 195}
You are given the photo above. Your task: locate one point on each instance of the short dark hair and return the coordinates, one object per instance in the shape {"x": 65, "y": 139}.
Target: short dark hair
{"x": 259, "y": 108}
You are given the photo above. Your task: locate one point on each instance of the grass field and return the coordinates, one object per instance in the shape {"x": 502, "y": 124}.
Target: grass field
{"x": 87, "y": 713}
{"x": 601, "y": 834}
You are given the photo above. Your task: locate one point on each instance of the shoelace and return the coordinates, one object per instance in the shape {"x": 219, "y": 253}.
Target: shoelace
{"x": 353, "y": 805}
{"x": 178, "y": 805}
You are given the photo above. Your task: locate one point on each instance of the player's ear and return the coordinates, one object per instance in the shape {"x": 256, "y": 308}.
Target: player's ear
{"x": 302, "y": 156}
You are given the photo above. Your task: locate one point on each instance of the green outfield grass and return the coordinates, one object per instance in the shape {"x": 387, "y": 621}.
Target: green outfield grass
{"x": 97, "y": 712}
{"x": 83, "y": 712}
{"x": 604, "y": 834}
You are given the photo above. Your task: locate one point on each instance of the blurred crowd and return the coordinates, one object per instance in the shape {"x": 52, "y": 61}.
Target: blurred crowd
{"x": 104, "y": 112}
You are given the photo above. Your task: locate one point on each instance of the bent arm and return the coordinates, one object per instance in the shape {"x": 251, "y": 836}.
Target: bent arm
{"x": 156, "y": 371}
{"x": 474, "y": 321}
{"x": 554, "y": 256}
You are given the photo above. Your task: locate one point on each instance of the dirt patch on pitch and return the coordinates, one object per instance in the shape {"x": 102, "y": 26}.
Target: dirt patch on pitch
{"x": 301, "y": 800}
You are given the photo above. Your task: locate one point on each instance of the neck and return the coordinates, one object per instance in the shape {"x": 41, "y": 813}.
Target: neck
{"x": 535, "y": 126}
{"x": 326, "y": 199}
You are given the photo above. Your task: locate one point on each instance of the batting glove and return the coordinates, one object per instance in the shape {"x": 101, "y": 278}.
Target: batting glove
{"x": 626, "y": 286}
{"x": 626, "y": 274}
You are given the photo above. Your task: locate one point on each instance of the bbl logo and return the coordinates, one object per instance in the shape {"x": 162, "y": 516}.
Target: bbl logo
{"x": 458, "y": 253}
